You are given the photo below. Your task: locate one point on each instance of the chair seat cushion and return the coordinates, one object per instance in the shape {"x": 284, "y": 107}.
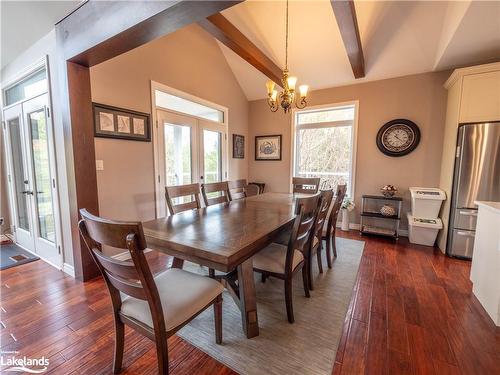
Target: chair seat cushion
{"x": 182, "y": 295}
{"x": 272, "y": 258}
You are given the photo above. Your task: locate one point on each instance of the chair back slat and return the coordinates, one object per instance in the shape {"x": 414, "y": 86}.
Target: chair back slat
{"x": 327, "y": 196}
{"x": 305, "y": 185}
{"x": 237, "y": 189}
{"x": 124, "y": 269}
{"x": 337, "y": 204}
{"x": 216, "y": 187}
{"x": 133, "y": 289}
{"x": 172, "y": 192}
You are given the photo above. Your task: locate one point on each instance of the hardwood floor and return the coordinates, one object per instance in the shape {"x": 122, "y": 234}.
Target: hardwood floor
{"x": 412, "y": 312}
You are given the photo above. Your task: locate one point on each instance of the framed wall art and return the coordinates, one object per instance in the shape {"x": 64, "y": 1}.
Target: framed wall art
{"x": 120, "y": 123}
{"x": 268, "y": 147}
{"x": 238, "y": 146}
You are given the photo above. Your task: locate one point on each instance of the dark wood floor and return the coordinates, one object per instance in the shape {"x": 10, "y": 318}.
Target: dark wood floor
{"x": 412, "y": 313}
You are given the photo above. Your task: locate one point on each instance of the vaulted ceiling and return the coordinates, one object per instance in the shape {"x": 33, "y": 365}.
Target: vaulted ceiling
{"x": 398, "y": 38}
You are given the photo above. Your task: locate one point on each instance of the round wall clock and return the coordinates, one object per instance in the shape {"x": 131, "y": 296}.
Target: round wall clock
{"x": 398, "y": 137}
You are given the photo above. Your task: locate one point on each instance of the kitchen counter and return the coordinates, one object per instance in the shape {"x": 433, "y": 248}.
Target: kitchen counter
{"x": 485, "y": 269}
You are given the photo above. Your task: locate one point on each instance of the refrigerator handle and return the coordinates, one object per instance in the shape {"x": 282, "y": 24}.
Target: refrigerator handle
{"x": 468, "y": 213}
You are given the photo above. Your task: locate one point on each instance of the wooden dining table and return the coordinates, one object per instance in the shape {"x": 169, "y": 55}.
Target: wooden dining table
{"x": 224, "y": 237}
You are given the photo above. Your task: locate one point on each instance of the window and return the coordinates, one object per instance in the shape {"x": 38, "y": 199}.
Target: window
{"x": 324, "y": 145}
{"x": 31, "y": 86}
{"x": 178, "y": 104}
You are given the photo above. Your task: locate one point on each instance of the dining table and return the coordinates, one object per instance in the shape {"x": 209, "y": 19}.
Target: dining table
{"x": 224, "y": 237}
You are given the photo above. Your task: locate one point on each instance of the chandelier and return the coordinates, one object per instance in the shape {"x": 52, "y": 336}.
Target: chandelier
{"x": 287, "y": 97}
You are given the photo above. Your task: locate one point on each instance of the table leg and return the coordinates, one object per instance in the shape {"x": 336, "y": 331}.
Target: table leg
{"x": 177, "y": 263}
{"x": 248, "y": 305}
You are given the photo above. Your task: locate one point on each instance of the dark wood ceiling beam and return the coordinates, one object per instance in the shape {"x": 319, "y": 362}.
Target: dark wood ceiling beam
{"x": 225, "y": 32}
{"x": 345, "y": 13}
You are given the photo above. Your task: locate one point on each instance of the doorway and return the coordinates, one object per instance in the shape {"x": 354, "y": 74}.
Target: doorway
{"x": 190, "y": 141}
{"x": 31, "y": 173}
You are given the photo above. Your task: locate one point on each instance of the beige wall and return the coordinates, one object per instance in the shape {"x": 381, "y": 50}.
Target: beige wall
{"x": 189, "y": 60}
{"x": 420, "y": 98}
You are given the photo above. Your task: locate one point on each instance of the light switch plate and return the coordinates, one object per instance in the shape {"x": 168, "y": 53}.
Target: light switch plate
{"x": 99, "y": 165}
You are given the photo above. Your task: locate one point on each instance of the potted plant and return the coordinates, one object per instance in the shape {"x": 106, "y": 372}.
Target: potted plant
{"x": 347, "y": 206}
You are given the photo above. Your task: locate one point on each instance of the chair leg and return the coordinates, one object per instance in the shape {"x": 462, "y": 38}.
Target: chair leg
{"x": 263, "y": 277}
{"x": 288, "y": 299}
{"x": 334, "y": 246}
{"x": 328, "y": 241}
{"x": 218, "y": 319}
{"x": 162, "y": 353}
{"x": 211, "y": 273}
{"x": 305, "y": 279}
{"x": 310, "y": 271}
{"x": 119, "y": 345}
{"x": 318, "y": 257}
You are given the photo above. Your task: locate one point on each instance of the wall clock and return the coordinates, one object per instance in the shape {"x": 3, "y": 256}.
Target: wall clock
{"x": 398, "y": 137}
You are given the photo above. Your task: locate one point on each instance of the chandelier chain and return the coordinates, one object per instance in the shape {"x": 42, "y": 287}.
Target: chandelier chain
{"x": 286, "y": 37}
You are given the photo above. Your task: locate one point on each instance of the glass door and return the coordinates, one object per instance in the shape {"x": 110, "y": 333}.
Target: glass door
{"x": 31, "y": 175}
{"x": 189, "y": 150}
{"x": 19, "y": 185}
{"x": 177, "y": 143}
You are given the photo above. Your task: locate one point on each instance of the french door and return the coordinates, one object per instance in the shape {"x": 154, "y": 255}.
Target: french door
{"x": 31, "y": 176}
{"x": 189, "y": 150}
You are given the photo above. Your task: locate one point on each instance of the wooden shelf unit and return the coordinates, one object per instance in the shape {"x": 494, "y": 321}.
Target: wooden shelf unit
{"x": 373, "y": 229}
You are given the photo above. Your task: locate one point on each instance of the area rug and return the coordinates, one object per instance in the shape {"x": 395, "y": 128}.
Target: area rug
{"x": 308, "y": 346}
{"x": 12, "y": 255}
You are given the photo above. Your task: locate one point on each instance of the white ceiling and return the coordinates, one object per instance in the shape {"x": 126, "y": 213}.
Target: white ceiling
{"x": 398, "y": 38}
{"x": 25, "y": 22}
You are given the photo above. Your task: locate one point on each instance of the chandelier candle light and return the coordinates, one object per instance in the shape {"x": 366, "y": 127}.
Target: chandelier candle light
{"x": 287, "y": 97}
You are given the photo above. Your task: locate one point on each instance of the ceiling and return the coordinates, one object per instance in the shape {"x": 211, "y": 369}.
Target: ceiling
{"x": 398, "y": 38}
{"x": 25, "y": 22}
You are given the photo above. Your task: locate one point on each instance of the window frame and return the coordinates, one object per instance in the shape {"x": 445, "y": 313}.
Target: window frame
{"x": 351, "y": 191}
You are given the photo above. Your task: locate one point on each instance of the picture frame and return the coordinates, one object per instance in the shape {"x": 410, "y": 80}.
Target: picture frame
{"x": 238, "y": 146}
{"x": 268, "y": 147}
{"x": 121, "y": 123}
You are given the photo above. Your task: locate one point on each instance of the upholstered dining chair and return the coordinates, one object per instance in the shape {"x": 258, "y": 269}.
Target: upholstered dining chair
{"x": 251, "y": 190}
{"x": 216, "y": 187}
{"x": 330, "y": 230}
{"x": 305, "y": 185}
{"x": 317, "y": 243}
{"x": 237, "y": 189}
{"x": 284, "y": 262}
{"x": 191, "y": 190}
{"x": 155, "y": 306}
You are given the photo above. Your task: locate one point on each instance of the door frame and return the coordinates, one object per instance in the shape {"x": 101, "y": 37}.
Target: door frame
{"x": 39, "y": 64}
{"x": 159, "y": 193}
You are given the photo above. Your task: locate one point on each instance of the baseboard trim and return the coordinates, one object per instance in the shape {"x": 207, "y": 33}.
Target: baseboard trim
{"x": 69, "y": 269}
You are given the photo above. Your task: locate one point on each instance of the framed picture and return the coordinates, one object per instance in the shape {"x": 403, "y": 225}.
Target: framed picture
{"x": 268, "y": 147}
{"x": 238, "y": 146}
{"x": 120, "y": 123}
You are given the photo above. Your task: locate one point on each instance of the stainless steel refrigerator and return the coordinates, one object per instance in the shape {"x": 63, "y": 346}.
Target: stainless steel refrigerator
{"x": 476, "y": 178}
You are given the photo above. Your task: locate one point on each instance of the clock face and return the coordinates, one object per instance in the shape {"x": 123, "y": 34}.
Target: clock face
{"x": 398, "y": 137}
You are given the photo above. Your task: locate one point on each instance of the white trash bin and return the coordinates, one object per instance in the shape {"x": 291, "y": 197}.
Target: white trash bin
{"x": 423, "y": 231}
{"x": 426, "y": 202}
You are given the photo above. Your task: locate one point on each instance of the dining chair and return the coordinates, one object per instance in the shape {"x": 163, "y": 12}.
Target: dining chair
{"x": 251, "y": 190}
{"x": 191, "y": 190}
{"x": 330, "y": 230}
{"x": 317, "y": 243}
{"x": 284, "y": 262}
{"x": 305, "y": 185}
{"x": 237, "y": 189}
{"x": 216, "y": 187}
{"x": 155, "y": 306}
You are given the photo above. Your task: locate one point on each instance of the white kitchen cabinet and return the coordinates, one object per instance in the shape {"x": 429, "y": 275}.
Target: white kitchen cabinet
{"x": 480, "y": 97}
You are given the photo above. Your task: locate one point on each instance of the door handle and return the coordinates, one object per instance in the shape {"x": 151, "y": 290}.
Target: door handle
{"x": 27, "y": 192}
{"x": 466, "y": 234}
